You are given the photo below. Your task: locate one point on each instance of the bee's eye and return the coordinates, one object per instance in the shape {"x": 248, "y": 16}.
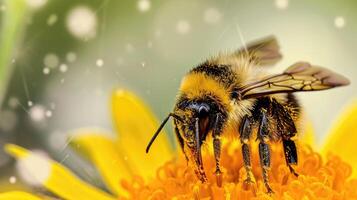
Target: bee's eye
{"x": 203, "y": 110}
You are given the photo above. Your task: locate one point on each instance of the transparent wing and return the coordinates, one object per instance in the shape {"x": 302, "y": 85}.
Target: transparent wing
{"x": 299, "y": 77}
{"x": 263, "y": 52}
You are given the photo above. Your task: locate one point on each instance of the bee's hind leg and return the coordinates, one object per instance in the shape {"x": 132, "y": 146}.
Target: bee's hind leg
{"x": 264, "y": 150}
{"x": 290, "y": 154}
{"x": 245, "y": 134}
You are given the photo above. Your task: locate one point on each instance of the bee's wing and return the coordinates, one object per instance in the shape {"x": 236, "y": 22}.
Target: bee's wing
{"x": 265, "y": 51}
{"x": 299, "y": 77}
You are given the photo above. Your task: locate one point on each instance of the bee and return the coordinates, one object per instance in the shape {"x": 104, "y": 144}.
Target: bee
{"x": 231, "y": 92}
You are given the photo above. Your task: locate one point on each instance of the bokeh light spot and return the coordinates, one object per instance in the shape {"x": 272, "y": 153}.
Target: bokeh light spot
{"x": 36, "y": 4}
{"x": 144, "y": 5}
{"x": 51, "y": 60}
{"x": 183, "y": 27}
{"x": 52, "y": 19}
{"x": 340, "y": 22}
{"x": 82, "y": 22}
{"x": 282, "y": 4}
{"x": 212, "y": 16}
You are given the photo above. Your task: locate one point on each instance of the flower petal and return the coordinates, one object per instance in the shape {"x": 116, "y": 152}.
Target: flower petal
{"x": 342, "y": 139}
{"x": 102, "y": 150}
{"x": 18, "y": 195}
{"x": 53, "y": 176}
{"x": 135, "y": 125}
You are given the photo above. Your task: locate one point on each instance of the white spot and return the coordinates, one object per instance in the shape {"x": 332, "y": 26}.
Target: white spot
{"x": 82, "y": 22}
{"x": 129, "y": 48}
{"x": 144, "y": 5}
{"x": 63, "y": 68}
{"x": 48, "y": 113}
{"x": 143, "y": 64}
{"x": 2, "y": 8}
{"x": 37, "y": 113}
{"x": 53, "y": 106}
{"x": 282, "y": 4}
{"x": 119, "y": 61}
{"x": 158, "y": 33}
{"x": 46, "y": 70}
{"x": 12, "y": 179}
{"x": 51, "y": 60}
{"x": 13, "y": 102}
{"x": 71, "y": 57}
{"x": 212, "y": 16}
{"x": 183, "y": 27}
{"x": 340, "y": 22}
{"x": 36, "y": 4}
{"x": 99, "y": 63}
{"x": 30, "y": 103}
{"x": 149, "y": 44}
{"x": 52, "y": 19}
{"x": 34, "y": 169}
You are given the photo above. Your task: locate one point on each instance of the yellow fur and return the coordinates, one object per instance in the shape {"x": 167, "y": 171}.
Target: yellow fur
{"x": 197, "y": 85}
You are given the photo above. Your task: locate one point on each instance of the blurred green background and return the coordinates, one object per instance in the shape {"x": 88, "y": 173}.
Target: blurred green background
{"x": 60, "y": 60}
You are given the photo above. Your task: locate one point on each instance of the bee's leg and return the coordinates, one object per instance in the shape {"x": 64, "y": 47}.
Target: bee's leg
{"x": 216, "y": 133}
{"x": 286, "y": 127}
{"x": 245, "y": 133}
{"x": 290, "y": 154}
{"x": 197, "y": 154}
{"x": 264, "y": 150}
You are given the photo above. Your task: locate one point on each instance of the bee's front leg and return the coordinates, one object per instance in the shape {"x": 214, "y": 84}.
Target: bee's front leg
{"x": 264, "y": 150}
{"x": 216, "y": 133}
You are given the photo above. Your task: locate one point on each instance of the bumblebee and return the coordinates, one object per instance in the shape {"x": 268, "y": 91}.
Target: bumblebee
{"x": 231, "y": 92}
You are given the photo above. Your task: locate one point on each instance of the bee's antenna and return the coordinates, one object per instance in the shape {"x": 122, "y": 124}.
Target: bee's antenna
{"x": 159, "y": 130}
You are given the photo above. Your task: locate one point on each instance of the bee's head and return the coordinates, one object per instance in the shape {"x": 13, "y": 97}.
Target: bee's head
{"x": 194, "y": 123}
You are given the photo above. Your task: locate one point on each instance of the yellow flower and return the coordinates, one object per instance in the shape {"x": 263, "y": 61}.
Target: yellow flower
{"x": 129, "y": 173}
